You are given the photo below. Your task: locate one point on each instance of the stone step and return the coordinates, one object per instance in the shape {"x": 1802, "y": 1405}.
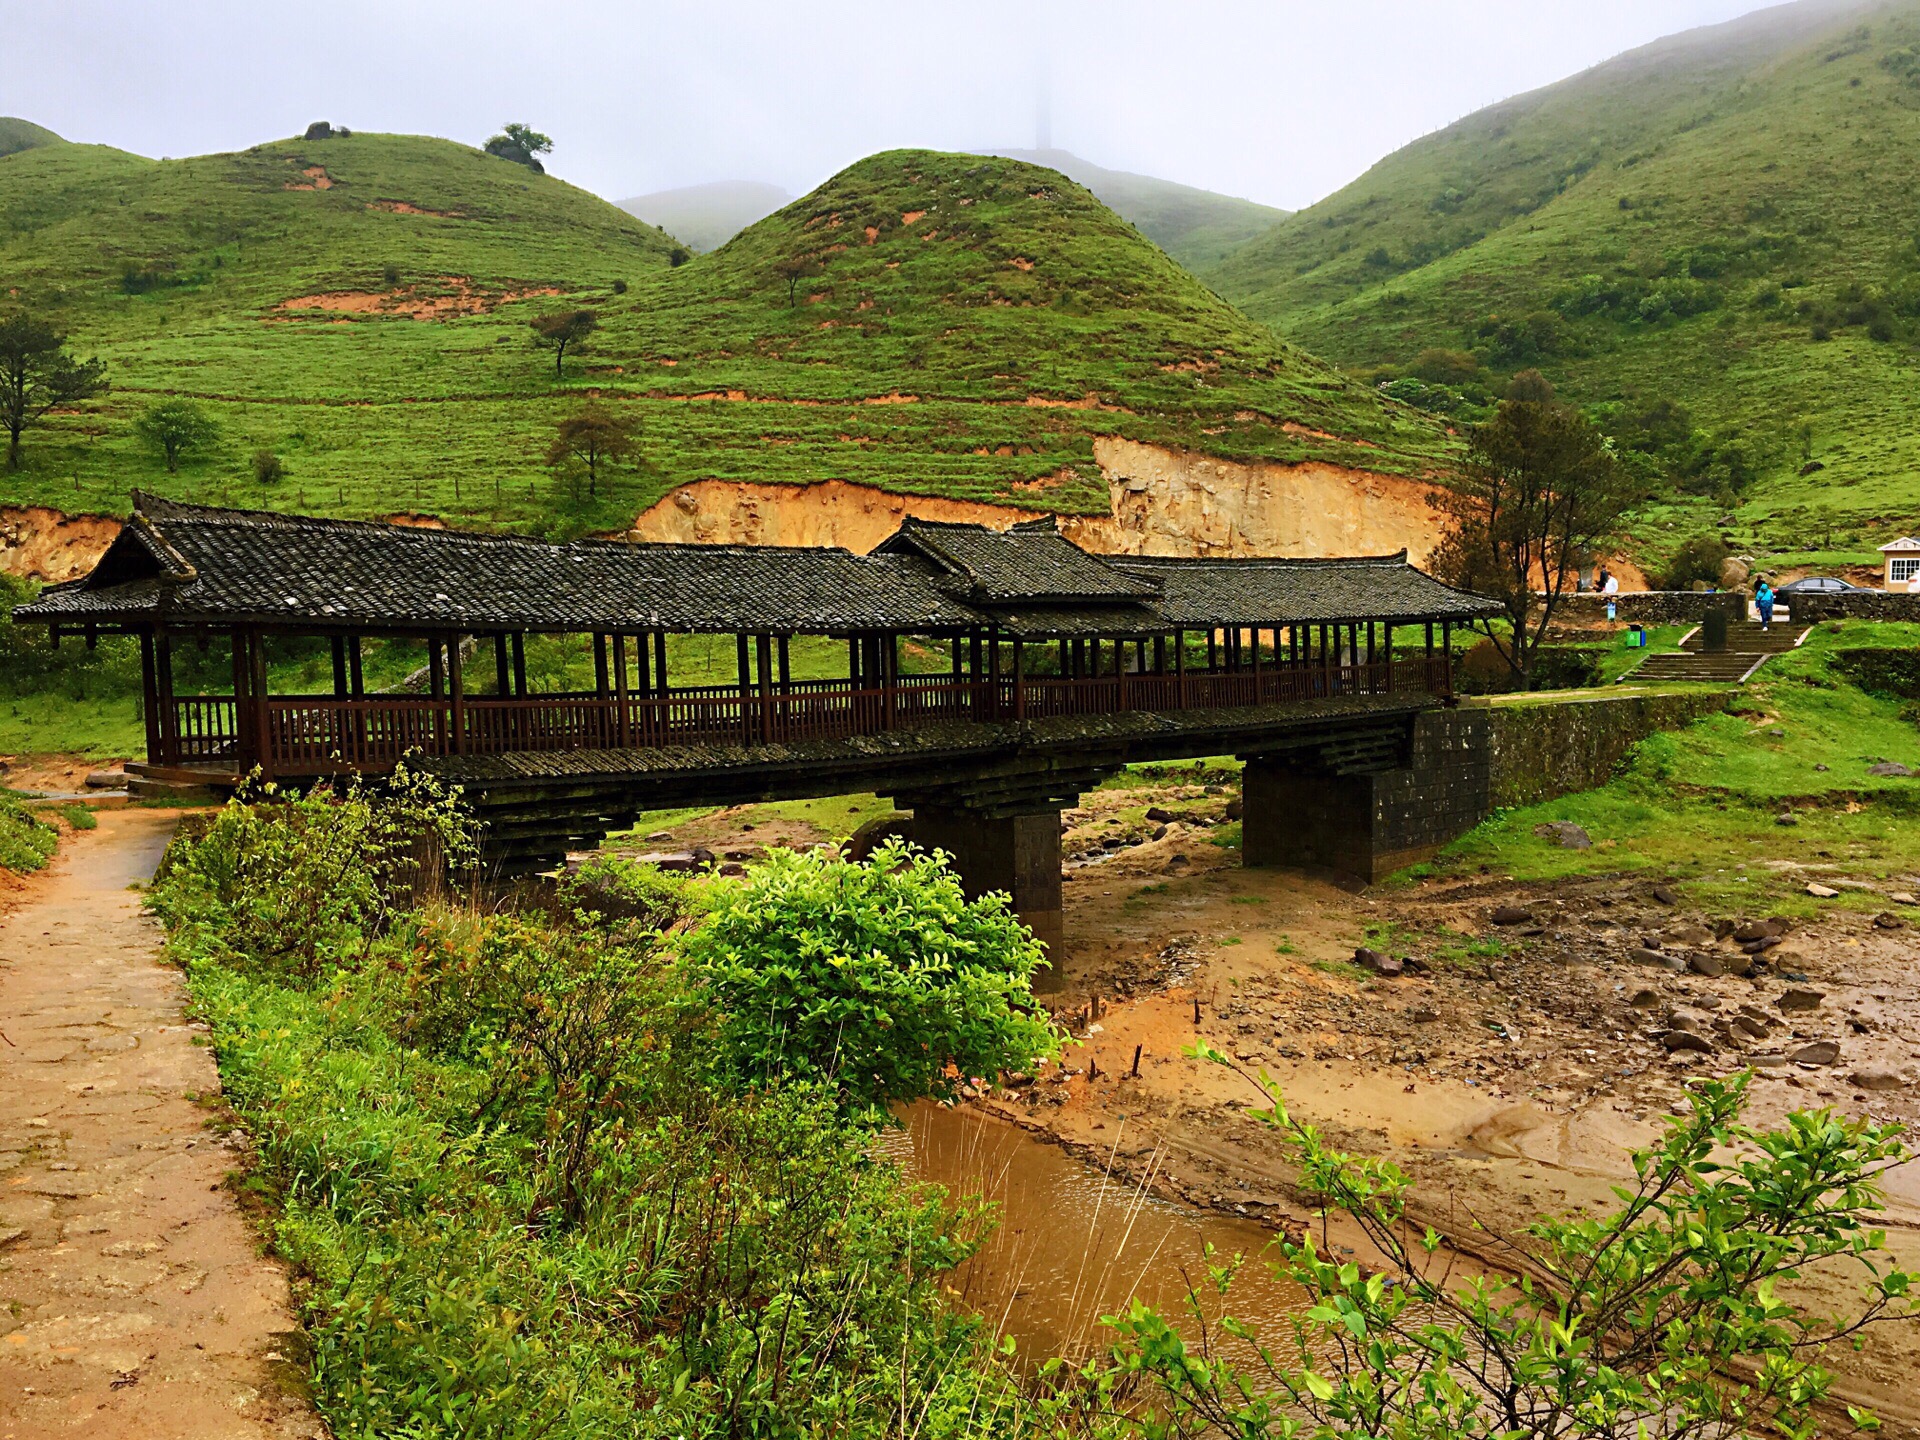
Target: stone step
{"x": 1745, "y": 637}
{"x": 1721, "y": 666}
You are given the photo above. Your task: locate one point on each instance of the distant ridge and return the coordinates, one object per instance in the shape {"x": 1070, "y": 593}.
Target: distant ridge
{"x": 1197, "y": 227}
{"x": 705, "y": 217}
{"x": 1710, "y": 241}
{"x": 17, "y": 135}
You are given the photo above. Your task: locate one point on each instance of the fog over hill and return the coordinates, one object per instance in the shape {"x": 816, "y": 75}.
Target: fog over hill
{"x": 707, "y": 216}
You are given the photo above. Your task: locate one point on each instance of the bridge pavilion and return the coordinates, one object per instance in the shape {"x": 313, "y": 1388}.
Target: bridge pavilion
{"x": 988, "y": 676}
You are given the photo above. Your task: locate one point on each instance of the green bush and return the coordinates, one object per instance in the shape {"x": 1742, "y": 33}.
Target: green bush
{"x": 26, "y": 841}
{"x": 881, "y": 980}
{"x": 295, "y": 886}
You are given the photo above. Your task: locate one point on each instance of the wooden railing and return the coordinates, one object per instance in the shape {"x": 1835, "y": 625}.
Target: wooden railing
{"x": 310, "y": 735}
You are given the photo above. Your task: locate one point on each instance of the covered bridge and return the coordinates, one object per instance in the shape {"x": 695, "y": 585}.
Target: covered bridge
{"x": 983, "y": 648}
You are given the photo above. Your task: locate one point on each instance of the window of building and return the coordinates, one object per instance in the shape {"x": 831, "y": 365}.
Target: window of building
{"x": 1903, "y": 567}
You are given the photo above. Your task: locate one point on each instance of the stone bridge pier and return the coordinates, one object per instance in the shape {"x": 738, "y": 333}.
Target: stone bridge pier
{"x": 1367, "y": 815}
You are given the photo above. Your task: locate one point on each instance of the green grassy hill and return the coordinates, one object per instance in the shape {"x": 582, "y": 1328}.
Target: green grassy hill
{"x": 17, "y": 135}
{"x": 1725, "y": 220}
{"x": 373, "y": 334}
{"x": 707, "y": 216}
{"x": 1199, "y": 228}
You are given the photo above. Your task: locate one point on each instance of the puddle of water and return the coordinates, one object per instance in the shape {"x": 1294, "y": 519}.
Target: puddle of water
{"x": 1073, "y": 1245}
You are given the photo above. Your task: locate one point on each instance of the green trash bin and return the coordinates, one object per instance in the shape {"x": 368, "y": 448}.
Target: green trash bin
{"x": 1713, "y": 630}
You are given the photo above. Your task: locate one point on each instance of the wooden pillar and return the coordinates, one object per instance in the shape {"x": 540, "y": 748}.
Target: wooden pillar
{"x": 622, "y": 720}
{"x": 1019, "y": 679}
{"x": 1446, "y": 657}
{"x": 956, "y": 669}
{"x": 993, "y": 675}
{"x": 164, "y": 726}
{"x": 457, "y": 692}
{"x": 339, "y": 667}
{"x": 519, "y": 664}
{"x": 1066, "y": 658}
{"x": 502, "y": 683}
{"x": 1120, "y": 672}
{"x": 602, "y": 688}
{"x": 263, "y": 722}
{"x": 660, "y": 664}
{"x": 1159, "y": 654}
{"x": 243, "y": 729}
{"x": 743, "y": 681}
{"x": 786, "y": 664}
{"x": 1213, "y": 650}
{"x": 763, "y": 645}
{"x": 1180, "y": 669}
{"x": 888, "y": 649}
{"x": 150, "y": 698}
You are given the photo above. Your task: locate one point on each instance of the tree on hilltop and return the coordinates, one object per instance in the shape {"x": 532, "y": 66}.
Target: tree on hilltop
{"x": 176, "y": 428}
{"x": 589, "y": 440}
{"x": 1541, "y": 491}
{"x": 521, "y": 144}
{"x": 563, "y": 330}
{"x": 37, "y": 373}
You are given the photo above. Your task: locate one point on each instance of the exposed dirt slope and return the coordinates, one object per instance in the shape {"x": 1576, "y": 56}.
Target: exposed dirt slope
{"x": 38, "y": 543}
{"x": 1163, "y": 502}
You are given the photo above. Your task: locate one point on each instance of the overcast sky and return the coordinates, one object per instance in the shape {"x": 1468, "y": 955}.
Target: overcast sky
{"x": 1282, "y": 101}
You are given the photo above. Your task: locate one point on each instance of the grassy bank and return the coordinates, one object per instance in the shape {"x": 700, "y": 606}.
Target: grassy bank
{"x": 579, "y": 1165}
{"x": 1750, "y": 803}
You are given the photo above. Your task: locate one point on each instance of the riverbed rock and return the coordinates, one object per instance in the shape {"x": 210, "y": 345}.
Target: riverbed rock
{"x": 1798, "y": 999}
{"x": 676, "y": 861}
{"x": 1511, "y": 915}
{"x": 1378, "y": 962}
{"x": 1748, "y": 930}
{"x": 1703, "y": 962}
{"x": 1888, "y": 770}
{"x": 107, "y": 780}
{"x": 1820, "y": 1052}
{"x": 1878, "y": 1077}
{"x": 1786, "y": 817}
{"x": 1690, "y": 935}
{"x": 1642, "y": 955}
{"x": 1687, "y": 1040}
{"x": 1665, "y": 894}
{"x": 1236, "y": 807}
{"x": 1887, "y": 920}
{"x": 1644, "y": 999}
{"x": 1566, "y": 834}
{"x": 1821, "y": 892}
{"x": 1159, "y": 814}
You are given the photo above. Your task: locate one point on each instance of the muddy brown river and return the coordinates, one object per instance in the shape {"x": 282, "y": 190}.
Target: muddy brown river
{"x": 1073, "y": 1245}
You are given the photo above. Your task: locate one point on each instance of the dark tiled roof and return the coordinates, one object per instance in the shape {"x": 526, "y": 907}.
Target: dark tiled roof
{"x": 196, "y": 565}
{"x": 1199, "y": 592}
{"x": 1030, "y": 563}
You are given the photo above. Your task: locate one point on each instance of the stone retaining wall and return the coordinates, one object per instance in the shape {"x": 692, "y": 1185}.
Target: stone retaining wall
{"x": 1539, "y": 748}
{"x": 1857, "y": 605}
{"x": 1644, "y": 607}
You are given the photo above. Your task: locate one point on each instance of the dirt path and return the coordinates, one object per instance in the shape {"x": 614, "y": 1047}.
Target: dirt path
{"x": 133, "y": 1299}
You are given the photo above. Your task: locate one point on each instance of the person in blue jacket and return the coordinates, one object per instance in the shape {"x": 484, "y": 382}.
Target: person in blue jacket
{"x": 1763, "y": 597}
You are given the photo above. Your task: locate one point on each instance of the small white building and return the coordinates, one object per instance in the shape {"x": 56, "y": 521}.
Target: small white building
{"x": 1902, "y": 565}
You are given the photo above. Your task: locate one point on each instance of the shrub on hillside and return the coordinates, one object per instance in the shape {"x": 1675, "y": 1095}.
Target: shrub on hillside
{"x": 1700, "y": 558}
{"x": 268, "y": 469}
{"x": 880, "y": 980}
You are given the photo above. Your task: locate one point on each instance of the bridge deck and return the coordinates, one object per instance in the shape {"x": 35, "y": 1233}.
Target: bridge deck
{"x": 308, "y": 736}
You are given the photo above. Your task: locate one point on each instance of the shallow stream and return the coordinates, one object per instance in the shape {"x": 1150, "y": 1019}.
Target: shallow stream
{"x": 1073, "y": 1244}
